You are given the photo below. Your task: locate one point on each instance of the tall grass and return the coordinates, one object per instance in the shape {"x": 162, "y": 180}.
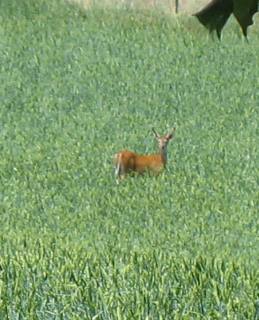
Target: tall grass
{"x": 77, "y": 86}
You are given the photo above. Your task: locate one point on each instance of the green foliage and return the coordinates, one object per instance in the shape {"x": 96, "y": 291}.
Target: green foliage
{"x": 75, "y": 88}
{"x": 65, "y": 284}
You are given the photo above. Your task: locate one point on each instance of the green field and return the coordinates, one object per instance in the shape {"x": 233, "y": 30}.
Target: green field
{"x": 78, "y": 86}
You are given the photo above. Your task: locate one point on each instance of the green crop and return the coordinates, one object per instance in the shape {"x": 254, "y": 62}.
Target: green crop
{"x": 78, "y": 86}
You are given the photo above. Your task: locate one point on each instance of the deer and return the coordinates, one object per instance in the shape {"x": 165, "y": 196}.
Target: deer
{"x": 127, "y": 162}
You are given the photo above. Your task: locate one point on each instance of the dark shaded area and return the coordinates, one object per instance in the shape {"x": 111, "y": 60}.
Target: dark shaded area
{"x": 215, "y": 14}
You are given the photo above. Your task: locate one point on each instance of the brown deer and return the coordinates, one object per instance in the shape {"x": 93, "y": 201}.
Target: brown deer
{"x": 128, "y": 161}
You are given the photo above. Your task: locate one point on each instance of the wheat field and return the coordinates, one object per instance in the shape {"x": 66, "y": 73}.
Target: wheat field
{"x": 79, "y": 85}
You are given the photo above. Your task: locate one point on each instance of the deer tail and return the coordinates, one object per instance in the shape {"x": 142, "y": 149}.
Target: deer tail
{"x": 118, "y": 165}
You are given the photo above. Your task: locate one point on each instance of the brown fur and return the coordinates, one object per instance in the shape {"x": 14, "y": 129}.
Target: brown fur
{"x": 127, "y": 161}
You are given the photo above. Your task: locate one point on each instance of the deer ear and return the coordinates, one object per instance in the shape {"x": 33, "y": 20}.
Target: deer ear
{"x": 155, "y": 133}
{"x": 172, "y": 132}
{"x": 170, "y": 135}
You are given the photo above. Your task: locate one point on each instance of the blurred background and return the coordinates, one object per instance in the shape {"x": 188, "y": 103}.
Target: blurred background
{"x": 170, "y": 6}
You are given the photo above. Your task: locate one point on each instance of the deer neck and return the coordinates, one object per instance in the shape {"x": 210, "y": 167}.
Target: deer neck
{"x": 163, "y": 154}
